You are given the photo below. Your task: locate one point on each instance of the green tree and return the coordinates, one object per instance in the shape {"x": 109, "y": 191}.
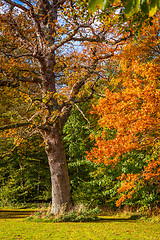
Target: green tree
{"x": 131, "y": 6}
{"x": 25, "y": 175}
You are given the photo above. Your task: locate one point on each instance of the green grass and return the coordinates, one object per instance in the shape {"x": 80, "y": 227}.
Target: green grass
{"x": 108, "y": 228}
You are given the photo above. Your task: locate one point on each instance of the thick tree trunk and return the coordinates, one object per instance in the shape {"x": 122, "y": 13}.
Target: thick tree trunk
{"x": 61, "y": 196}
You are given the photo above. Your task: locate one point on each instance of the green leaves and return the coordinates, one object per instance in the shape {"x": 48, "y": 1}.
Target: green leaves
{"x": 131, "y": 6}
{"x": 94, "y": 3}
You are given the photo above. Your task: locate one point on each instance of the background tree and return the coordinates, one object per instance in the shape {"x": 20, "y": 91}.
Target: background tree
{"x": 131, "y": 6}
{"x": 25, "y": 176}
{"x": 130, "y": 112}
{"x": 40, "y": 60}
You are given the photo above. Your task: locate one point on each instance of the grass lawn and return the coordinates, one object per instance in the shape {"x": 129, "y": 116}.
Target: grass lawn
{"x": 16, "y": 227}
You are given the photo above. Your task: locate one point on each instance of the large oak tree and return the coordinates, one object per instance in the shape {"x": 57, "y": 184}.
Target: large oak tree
{"x": 51, "y": 58}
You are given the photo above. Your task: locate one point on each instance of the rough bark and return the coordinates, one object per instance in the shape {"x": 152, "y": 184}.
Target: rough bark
{"x": 61, "y": 196}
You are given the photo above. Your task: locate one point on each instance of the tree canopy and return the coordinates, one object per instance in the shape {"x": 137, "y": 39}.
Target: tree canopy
{"x": 130, "y": 111}
{"x": 57, "y": 56}
{"x": 131, "y": 6}
{"x": 52, "y": 53}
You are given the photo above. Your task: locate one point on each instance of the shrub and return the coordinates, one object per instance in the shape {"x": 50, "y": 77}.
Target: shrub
{"x": 79, "y": 213}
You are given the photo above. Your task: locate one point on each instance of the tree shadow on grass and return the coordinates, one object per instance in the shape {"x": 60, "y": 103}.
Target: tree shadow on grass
{"x": 13, "y": 214}
{"x": 9, "y": 214}
{"x": 114, "y": 219}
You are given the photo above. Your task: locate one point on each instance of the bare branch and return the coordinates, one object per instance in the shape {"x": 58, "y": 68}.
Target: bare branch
{"x": 12, "y": 126}
{"x": 77, "y": 86}
{"x": 156, "y": 50}
{"x": 85, "y": 99}
{"x": 82, "y": 113}
{"x": 17, "y": 56}
{"x": 15, "y": 4}
{"x": 105, "y": 56}
{"x": 101, "y": 40}
{"x": 46, "y": 4}
{"x": 26, "y": 2}
{"x": 38, "y": 26}
{"x": 10, "y": 82}
{"x": 65, "y": 40}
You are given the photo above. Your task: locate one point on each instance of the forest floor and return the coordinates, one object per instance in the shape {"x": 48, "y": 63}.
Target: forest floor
{"x": 13, "y": 225}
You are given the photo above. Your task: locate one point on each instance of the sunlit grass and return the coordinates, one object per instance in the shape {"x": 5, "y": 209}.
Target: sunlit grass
{"x": 110, "y": 227}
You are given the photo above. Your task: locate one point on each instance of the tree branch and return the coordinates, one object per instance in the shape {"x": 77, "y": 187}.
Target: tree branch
{"x": 12, "y": 126}
{"x": 17, "y": 56}
{"x": 8, "y": 82}
{"x": 154, "y": 49}
{"x": 40, "y": 32}
{"x": 82, "y": 113}
{"x": 101, "y": 40}
{"x": 15, "y": 4}
{"x": 66, "y": 39}
{"x": 18, "y": 33}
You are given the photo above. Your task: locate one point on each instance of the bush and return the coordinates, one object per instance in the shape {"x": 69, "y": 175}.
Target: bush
{"x": 80, "y": 213}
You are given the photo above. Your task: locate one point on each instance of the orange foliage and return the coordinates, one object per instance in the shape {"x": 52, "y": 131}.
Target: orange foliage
{"x": 152, "y": 170}
{"x": 132, "y": 109}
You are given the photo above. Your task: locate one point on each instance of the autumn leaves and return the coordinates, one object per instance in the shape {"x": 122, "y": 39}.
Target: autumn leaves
{"x": 132, "y": 110}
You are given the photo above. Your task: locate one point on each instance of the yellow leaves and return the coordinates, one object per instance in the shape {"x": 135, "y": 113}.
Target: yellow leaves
{"x": 17, "y": 141}
{"x": 153, "y": 9}
{"x": 65, "y": 9}
{"x": 48, "y": 96}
